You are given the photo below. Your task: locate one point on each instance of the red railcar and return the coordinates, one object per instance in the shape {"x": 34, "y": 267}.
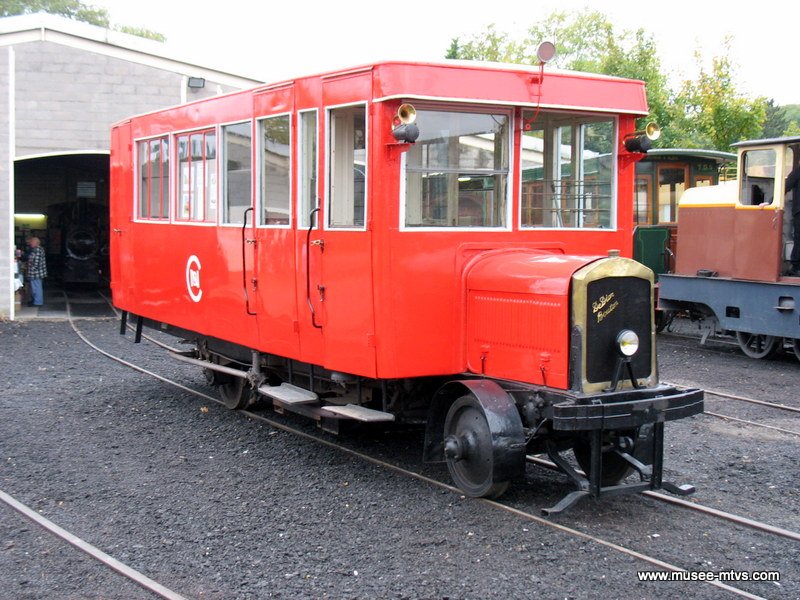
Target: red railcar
{"x": 333, "y": 256}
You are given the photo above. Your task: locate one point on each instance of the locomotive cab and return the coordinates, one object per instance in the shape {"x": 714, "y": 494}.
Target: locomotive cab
{"x": 734, "y": 249}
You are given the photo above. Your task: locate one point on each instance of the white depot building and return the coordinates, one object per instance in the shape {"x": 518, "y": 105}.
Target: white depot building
{"x": 62, "y": 84}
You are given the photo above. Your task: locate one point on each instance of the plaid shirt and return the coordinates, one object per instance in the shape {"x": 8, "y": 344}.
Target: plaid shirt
{"x": 37, "y": 267}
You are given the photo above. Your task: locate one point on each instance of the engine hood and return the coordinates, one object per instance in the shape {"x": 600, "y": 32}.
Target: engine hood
{"x": 525, "y": 272}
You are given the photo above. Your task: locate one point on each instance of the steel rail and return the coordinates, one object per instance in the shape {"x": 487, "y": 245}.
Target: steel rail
{"x": 753, "y": 423}
{"x": 739, "y": 520}
{"x": 752, "y": 400}
{"x": 419, "y": 477}
{"x": 739, "y": 398}
{"x": 97, "y": 554}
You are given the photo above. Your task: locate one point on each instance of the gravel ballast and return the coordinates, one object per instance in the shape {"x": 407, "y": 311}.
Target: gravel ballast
{"x": 212, "y": 504}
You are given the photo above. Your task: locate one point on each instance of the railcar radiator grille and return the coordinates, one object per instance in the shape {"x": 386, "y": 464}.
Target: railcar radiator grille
{"x": 614, "y": 304}
{"x": 521, "y": 323}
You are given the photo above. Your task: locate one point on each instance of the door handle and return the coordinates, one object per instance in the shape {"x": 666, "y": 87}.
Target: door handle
{"x": 309, "y": 243}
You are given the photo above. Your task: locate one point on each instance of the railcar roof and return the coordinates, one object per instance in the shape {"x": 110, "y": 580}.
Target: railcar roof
{"x": 779, "y": 140}
{"x": 716, "y": 155}
{"x": 502, "y": 84}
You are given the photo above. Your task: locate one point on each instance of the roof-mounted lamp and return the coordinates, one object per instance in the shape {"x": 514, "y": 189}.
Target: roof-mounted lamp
{"x": 546, "y": 52}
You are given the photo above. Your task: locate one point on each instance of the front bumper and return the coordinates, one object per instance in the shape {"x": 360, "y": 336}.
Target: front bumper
{"x": 625, "y": 410}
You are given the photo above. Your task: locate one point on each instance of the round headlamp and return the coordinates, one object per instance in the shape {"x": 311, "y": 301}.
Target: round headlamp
{"x": 627, "y": 342}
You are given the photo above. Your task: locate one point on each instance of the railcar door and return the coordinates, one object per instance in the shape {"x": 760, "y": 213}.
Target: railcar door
{"x": 759, "y": 216}
{"x": 274, "y": 269}
{"x": 344, "y": 290}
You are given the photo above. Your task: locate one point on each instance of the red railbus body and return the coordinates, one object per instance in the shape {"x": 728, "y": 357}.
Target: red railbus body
{"x": 325, "y": 250}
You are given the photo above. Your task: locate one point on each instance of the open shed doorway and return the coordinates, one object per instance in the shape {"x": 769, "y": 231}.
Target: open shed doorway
{"x": 63, "y": 200}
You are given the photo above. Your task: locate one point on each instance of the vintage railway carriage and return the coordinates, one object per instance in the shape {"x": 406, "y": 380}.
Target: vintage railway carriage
{"x": 333, "y": 256}
{"x": 735, "y": 242}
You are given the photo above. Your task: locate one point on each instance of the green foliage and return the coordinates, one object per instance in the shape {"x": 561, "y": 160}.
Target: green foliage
{"x": 793, "y": 129}
{"x": 73, "y": 9}
{"x": 141, "y": 32}
{"x": 706, "y": 113}
{"x": 791, "y": 113}
{"x": 713, "y": 113}
{"x": 775, "y": 122}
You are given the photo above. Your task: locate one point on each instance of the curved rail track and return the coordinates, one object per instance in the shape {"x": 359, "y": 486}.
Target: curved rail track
{"x": 85, "y": 547}
{"x": 655, "y": 562}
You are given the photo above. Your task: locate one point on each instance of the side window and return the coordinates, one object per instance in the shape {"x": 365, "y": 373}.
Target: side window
{"x": 197, "y": 177}
{"x": 276, "y": 166}
{"x": 237, "y": 172}
{"x": 672, "y": 182}
{"x": 567, "y": 175}
{"x": 153, "y": 159}
{"x": 307, "y": 171}
{"x": 348, "y": 167}
{"x": 457, "y": 172}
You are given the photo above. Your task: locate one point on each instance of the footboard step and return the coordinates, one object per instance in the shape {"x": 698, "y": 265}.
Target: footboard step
{"x": 288, "y": 394}
{"x": 360, "y": 413}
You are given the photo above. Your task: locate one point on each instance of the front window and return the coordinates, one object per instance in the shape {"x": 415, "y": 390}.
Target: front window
{"x": 567, "y": 171}
{"x": 758, "y": 177}
{"x": 457, "y": 172}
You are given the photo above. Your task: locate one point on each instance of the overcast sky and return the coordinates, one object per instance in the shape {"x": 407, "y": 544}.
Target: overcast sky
{"x": 276, "y": 39}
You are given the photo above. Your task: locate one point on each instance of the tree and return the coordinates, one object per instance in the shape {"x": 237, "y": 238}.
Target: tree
{"x": 708, "y": 113}
{"x": 713, "y": 113}
{"x": 73, "y": 9}
{"x": 792, "y": 114}
{"x": 775, "y": 122}
{"x": 585, "y": 41}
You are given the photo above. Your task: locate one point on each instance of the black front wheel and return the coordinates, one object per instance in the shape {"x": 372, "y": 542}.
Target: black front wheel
{"x": 469, "y": 450}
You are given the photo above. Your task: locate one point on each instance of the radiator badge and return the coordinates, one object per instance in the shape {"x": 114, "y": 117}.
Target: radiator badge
{"x": 193, "y": 278}
{"x": 604, "y": 306}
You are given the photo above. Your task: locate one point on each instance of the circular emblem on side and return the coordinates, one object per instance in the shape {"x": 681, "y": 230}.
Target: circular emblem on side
{"x": 193, "y": 278}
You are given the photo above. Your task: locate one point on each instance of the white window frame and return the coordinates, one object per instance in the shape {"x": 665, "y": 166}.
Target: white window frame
{"x": 559, "y": 120}
{"x": 301, "y": 219}
{"x": 223, "y": 171}
{"x": 175, "y": 183}
{"x": 259, "y": 204}
{"x": 136, "y": 167}
{"x": 467, "y": 108}
{"x": 329, "y": 164}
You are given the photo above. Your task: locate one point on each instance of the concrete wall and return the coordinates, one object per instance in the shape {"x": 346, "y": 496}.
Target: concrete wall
{"x": 6, "y": 199}
{"x": 65, "y": 100}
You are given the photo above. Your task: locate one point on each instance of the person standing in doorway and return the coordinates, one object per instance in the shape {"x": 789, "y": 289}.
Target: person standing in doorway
{"x": 36, "y": 271}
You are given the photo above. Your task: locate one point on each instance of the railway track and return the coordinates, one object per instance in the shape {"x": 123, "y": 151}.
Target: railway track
{"x": 650, "y": 560}
{"x": 133, "y": 575}
{"x": 739, "y": 398}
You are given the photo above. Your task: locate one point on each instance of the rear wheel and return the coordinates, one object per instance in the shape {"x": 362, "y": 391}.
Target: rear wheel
{"x": 469, "y": 449}
{"x": 796, "y": 347}
{"x": 234, "y": 392}
{"x": 756, "y": 345}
